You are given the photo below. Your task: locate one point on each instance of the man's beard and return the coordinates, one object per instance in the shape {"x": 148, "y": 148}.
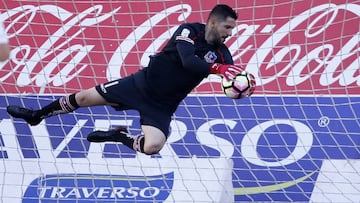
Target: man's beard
{"x": 217, "y": 40}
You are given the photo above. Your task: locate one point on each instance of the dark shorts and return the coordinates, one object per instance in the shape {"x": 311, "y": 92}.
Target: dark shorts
{"x": 126, "y": 94}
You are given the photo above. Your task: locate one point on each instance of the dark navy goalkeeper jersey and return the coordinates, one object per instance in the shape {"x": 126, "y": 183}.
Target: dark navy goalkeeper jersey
{"x": 182, "y": 64}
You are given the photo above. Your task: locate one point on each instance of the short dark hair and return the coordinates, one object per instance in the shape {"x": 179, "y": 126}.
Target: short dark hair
{"x": 222, "y": 12}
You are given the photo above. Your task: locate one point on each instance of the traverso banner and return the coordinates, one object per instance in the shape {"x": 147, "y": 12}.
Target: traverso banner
{"x": 276, "y": 148}
{"x": 99, "y": 187}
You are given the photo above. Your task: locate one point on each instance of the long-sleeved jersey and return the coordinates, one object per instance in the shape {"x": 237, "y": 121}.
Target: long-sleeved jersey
{"x": 181, "y": 65}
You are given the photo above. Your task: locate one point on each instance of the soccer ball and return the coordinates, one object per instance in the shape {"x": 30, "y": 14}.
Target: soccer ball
{"x": 242, "y": 85}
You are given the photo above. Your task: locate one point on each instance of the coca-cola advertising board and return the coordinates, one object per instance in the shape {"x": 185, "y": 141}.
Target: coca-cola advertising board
{"x": 291, "y": 47}
{"x": 296, "y": 139}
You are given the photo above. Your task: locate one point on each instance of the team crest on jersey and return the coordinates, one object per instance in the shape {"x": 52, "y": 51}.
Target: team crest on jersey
{"x": 210, "y": 57}
{"x": 185, "y": 32}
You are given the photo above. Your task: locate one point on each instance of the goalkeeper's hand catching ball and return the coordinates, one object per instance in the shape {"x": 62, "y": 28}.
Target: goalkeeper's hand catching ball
{"x": 226, "y": 70}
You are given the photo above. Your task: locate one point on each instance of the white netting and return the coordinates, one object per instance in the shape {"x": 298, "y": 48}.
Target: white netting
{"x": 296, "y": 140}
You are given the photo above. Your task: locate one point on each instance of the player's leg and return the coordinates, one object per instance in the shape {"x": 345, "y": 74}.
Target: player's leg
{"x": 154, "y": 118}
{"x": 150, "y": 142}
{"x": 66, "y": 104}
{"x": 90, "y": 97}
{"x": 155, "y": 124}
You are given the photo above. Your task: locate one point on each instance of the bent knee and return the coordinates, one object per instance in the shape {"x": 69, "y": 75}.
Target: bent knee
{"x": 152, "y": 149}
{"x": 154, "y": 140}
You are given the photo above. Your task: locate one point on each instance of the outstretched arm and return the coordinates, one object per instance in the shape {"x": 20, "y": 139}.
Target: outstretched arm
{"x": 186, "y": 50}
{"x": 189, "y": 60}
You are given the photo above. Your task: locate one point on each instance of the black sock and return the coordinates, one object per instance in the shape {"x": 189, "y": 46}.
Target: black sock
{"x": 63, "y": 105}
{"x": 134, "y": 142}
{"x": 138, "y": 144}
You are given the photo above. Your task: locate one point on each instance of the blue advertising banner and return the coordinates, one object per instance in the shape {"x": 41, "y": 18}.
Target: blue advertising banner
{"x": 277, "y": 144}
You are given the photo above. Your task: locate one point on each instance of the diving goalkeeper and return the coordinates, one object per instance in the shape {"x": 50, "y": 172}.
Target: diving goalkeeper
{"x": 194, "y": 51}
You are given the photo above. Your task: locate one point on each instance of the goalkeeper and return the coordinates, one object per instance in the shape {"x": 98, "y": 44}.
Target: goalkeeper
{"x": 193, "y": 52}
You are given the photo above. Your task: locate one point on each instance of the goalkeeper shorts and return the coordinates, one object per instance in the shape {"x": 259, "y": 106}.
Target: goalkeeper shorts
{"x": 126, "y": 94}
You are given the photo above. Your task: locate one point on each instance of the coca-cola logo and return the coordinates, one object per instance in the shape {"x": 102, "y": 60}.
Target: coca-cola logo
{"x": 315, "y": 51}
{"x": 65, "y": 47}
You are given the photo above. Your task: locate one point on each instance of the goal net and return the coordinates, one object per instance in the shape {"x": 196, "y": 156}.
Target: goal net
{"x": 295, "y": 140}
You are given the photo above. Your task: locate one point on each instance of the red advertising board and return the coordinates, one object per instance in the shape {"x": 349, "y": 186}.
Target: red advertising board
{"x": 292, "y": 47}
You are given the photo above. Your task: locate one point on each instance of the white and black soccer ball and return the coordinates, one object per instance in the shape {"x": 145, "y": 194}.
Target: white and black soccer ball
{"x": 242, "y": 85}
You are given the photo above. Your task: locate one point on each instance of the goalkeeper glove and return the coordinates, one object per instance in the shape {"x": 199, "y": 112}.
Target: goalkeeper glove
{"x": 225, "y": 70}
